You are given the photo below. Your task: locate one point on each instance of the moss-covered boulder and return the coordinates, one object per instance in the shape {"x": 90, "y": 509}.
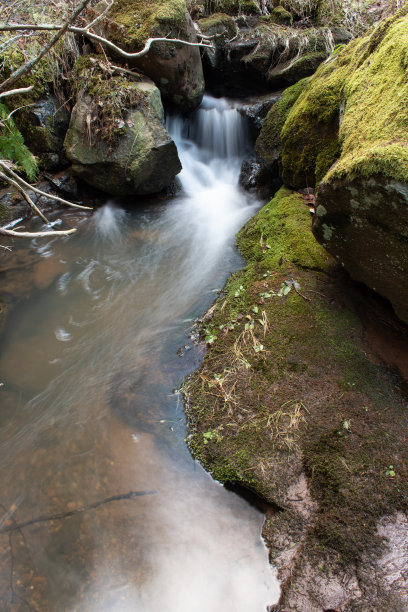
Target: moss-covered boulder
{"x": 348, "y": 135}
{"x": 282, "y": 16}
{"x": 268, "y": 144}
{"x": 175, "y": 68}
{"x": 116, "y": 140}
{"x": 235, "y": 7}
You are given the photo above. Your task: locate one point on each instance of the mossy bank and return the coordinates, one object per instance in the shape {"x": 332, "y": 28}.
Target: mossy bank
{"x": 288, "y": 405}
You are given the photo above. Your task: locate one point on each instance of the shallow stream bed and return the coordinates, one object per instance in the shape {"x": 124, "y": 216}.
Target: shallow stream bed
{"x": 103, "y": 508}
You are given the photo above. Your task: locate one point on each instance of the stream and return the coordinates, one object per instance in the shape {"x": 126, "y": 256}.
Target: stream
{"x": 103, "y": 508}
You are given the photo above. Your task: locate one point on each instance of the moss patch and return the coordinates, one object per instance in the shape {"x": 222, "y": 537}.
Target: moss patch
{"x": 141, "y": 19}
{"x": 286, "y": 386}
{"x": 269, "y": 141}
{"x": 111, "y": 96}
{"x": 282, "y": 16}
{"x": 218, "y": 23}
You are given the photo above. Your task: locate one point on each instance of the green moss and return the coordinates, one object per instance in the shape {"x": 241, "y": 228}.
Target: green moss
{"x": 218, "y": 23}
{"x": 235, "y": 7}
{"x": 281, "y": 230}
{"x": 367, "y": 83}
{"x": 282, "y": 16}
{"x": 269, "y": 142}
{"x": 4, "y": 215}
{"x": 111, "y": 96}
{"x": 141, "y": 19}
{"x": 310, "y": 394}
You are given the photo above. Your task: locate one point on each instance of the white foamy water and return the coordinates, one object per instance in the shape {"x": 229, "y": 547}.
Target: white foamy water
{"x": 97, "y": 417}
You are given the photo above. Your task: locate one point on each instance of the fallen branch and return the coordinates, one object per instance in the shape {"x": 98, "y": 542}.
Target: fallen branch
{"x": 13, "y": 92}
{"x": 100, "y": 39}
{"x": 22, "y": 182}
{"x": 62, "y": 515}
{"x": 25, "y": 195}
{"x": 13, "y": 233}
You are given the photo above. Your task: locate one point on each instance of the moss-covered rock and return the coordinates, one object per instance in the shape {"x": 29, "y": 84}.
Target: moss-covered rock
{"x": 347, "y": 134}
{"x": 268, "y": 144}
{"x": 219, "y": 23}
{"x": 282, "y": 16}
{"x": 264, "y": 56}
{"x": 116, "y": 140}
{"x": 288, "y": 405}
{"x": 175, "y": 68}
{"x": 235, "y": 7}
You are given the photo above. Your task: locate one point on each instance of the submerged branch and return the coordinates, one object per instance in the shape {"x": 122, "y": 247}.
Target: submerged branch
{"x": 62, "y": 515}
{"x": 14, "y": 234}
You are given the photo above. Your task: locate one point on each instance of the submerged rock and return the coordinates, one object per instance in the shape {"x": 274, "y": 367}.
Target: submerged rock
{"x": 123, "y": 149}
{"x": 347, "y": 134}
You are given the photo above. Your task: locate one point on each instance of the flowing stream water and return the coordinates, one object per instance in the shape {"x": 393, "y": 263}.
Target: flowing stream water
{"x": 103, "y": 508}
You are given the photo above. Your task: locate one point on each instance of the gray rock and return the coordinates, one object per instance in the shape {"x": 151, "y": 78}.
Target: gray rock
{"x": 144, "y": 158}
{"x": 364, "y": 224}
{"x": 49, "y": 121}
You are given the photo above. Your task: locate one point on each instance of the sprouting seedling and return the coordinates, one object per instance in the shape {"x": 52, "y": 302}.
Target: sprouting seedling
{"x": 390, "y": 471}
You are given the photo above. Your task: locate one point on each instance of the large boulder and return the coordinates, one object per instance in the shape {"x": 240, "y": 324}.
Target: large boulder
{"x": 174, "y": 67}
{"x": 118, "y": 143}
{"x": 347, "y": 134}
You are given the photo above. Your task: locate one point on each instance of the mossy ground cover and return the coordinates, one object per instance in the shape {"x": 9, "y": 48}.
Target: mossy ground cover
{"x": 286, "y": 387}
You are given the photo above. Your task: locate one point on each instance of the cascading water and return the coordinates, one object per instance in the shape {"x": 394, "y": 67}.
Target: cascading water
{"x": 90, "y": 413}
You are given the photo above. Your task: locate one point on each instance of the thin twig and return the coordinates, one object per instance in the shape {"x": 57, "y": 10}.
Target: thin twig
{"x": 22, "y": 182}
{"x": 25, "y": 195}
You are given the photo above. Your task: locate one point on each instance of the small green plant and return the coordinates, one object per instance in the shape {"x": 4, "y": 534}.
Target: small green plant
{"x": 12, "y": 145}
{"x": 390, "y": 471}
{"x": 212, "y": 435}
{"x": 239, "y": 291}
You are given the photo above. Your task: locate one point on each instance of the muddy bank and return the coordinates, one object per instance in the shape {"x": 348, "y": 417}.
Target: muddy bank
{"x": 294, "y": 402}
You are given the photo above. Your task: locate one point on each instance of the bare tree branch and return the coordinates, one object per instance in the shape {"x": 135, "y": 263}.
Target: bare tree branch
{"x": 7, "y": 232}
{"x": 13, "y": 92}
{"x": 25, "y": 195}
{"x": 22, "y": 183}
{"x": 31, "y": 63}
{"x": 104, "y": 41}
